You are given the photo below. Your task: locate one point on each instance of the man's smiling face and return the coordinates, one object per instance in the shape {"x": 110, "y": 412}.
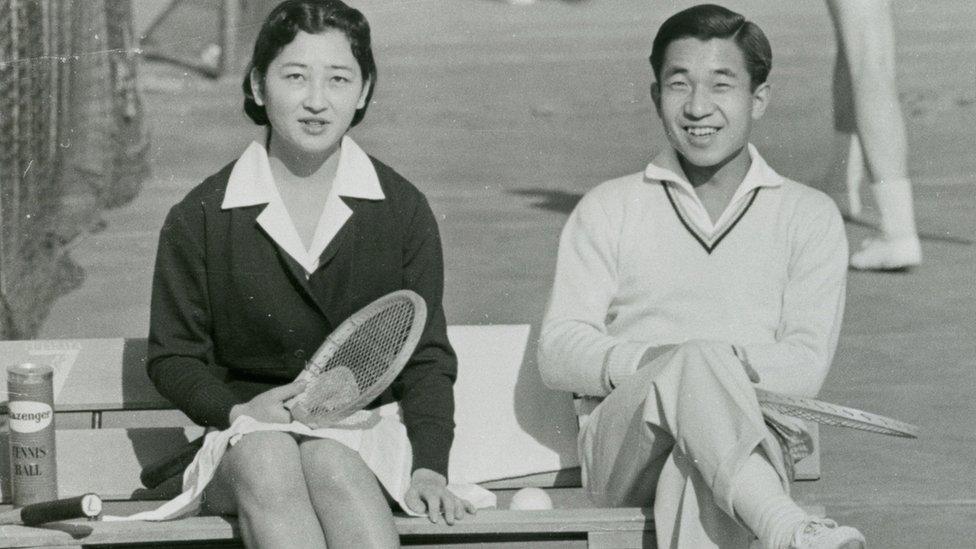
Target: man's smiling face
{"x": 706, "y": 101}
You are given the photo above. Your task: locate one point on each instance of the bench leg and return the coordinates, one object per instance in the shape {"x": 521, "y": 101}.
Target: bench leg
{"x": 621, "y": 540}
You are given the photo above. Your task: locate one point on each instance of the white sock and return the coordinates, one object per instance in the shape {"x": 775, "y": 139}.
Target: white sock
{"x": 759, "y": 499}
{"x": 894, "y": 199}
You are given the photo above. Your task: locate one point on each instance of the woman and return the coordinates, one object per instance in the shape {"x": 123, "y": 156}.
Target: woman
{"x": 264, "y": 258}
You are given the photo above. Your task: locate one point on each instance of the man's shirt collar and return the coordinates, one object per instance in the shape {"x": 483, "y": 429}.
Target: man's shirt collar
{"x": 665, "y": 167}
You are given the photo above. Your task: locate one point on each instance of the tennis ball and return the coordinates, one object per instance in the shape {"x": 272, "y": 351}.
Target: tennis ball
{"x": 530, "y": 499}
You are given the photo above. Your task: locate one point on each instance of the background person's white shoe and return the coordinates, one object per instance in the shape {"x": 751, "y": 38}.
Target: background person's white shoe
{"x": 887, "y": 255}
{"x": 820, "y": 533}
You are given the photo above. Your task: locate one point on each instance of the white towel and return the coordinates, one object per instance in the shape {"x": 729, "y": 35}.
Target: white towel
{"x": 380, "y": 438}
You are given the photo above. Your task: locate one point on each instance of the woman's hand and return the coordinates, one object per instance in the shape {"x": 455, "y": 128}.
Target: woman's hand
{"x": 269, "y": 406}
{"x": 428, "y": 493}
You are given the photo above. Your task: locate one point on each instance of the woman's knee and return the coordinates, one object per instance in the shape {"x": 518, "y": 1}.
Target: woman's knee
{"x": 333, "y": 468}
{"x": 264, "y": 466}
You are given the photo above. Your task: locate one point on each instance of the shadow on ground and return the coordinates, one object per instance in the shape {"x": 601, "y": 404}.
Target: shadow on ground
{"x": 552, "y": 200}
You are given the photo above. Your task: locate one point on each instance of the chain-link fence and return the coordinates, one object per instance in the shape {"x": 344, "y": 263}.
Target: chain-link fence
{"x": 72, "y": 142}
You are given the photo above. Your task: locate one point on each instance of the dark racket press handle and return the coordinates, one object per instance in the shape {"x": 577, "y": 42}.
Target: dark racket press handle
{"x": 160, "y": 471}
{"x": 88, "y": 505}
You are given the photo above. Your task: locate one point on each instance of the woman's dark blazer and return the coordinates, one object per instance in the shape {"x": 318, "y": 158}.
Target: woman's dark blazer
{"x": 233, "y": 315}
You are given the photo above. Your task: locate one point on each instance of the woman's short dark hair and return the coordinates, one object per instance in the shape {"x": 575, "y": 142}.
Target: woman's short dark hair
{"x": 707, "y": 21}
{"x": 312, "y": 16}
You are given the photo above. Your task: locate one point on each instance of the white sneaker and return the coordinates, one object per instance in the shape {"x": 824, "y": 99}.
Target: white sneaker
{"x": 887, "y": 255}
{"x": 820, "y": 533}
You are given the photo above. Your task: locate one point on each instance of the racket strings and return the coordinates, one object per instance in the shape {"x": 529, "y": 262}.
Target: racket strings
{"x": 363, "y": 359}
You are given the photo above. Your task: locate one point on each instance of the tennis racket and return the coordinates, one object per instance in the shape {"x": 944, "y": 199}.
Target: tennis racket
{"x": 359, "y": 359}
{"x": 354, "y": 364}
{"x": 162, "y": 470}
{"x": 833, "y": 414}
{"x": 88, "y": 505}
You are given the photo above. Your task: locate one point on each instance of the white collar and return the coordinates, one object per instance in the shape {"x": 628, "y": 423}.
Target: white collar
{"x": 251, "y": 182}
{"x": 666, "y": 167}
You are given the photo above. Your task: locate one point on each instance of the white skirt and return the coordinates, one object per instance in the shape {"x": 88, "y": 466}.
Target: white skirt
{"x": 378, "y": 435}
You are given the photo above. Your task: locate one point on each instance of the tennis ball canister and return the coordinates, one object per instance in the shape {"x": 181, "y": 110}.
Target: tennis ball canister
{"x": 33, "y": 467}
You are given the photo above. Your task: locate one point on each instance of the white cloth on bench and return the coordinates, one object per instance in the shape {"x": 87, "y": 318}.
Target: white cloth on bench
{"x": 378, "y": 436}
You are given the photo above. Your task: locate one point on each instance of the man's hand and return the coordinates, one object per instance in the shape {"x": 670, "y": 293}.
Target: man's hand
{"x": 269, "y": 406}
{"x": 740, "y": 353}
{"x": 428, "y": 493}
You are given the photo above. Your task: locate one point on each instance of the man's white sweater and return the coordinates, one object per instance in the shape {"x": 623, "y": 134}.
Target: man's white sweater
{"x": 641, "y": 265}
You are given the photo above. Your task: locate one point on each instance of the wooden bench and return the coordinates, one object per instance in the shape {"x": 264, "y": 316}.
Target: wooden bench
{"x": 112, "y": 423}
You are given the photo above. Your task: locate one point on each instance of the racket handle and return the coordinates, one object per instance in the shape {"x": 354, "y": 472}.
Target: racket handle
{"x": 88, "y": 505}
{"x": 159, "y": 472}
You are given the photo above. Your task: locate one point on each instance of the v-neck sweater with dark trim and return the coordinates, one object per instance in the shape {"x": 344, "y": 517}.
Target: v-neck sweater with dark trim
{"x": 631, "y": 274}
{"x": 233, "y": 315}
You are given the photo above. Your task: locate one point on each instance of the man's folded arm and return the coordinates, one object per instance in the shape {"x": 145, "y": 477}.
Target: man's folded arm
{"x": 813, "y": 306}
{"x": 575, "y": 352}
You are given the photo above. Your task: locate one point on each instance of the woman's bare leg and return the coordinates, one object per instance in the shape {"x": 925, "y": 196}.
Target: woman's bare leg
{"x": 346, "y": 497}
{"x": 261, "y": 481}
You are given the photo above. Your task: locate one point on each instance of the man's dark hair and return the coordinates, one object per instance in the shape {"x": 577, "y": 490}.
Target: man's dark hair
{"x": 707, "y": 21}
{"x": 312, "y": 16}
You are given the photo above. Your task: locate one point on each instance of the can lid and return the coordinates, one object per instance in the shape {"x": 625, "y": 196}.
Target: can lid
{"x": 29, "y": 371}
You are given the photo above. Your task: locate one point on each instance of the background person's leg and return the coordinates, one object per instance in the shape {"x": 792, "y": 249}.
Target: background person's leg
{"x": 866, "y": 36}
{"x": 846, "y": 171}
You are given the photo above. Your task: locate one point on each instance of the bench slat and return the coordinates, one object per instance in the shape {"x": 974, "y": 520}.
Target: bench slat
{"x": 563, "y": 522}
{"x": 109, "y": 461}
{"x": 620, "y": 540}
{"x": 89, "y": 374}
{"x": 108, "y": 375}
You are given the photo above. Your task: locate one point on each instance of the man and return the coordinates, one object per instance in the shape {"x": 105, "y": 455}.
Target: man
{"x": 679, "y": 288}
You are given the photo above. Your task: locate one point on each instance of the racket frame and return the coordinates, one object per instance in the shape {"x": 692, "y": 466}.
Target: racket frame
{"x": 834, "y": 414}
{"x": 333, "y": 343}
